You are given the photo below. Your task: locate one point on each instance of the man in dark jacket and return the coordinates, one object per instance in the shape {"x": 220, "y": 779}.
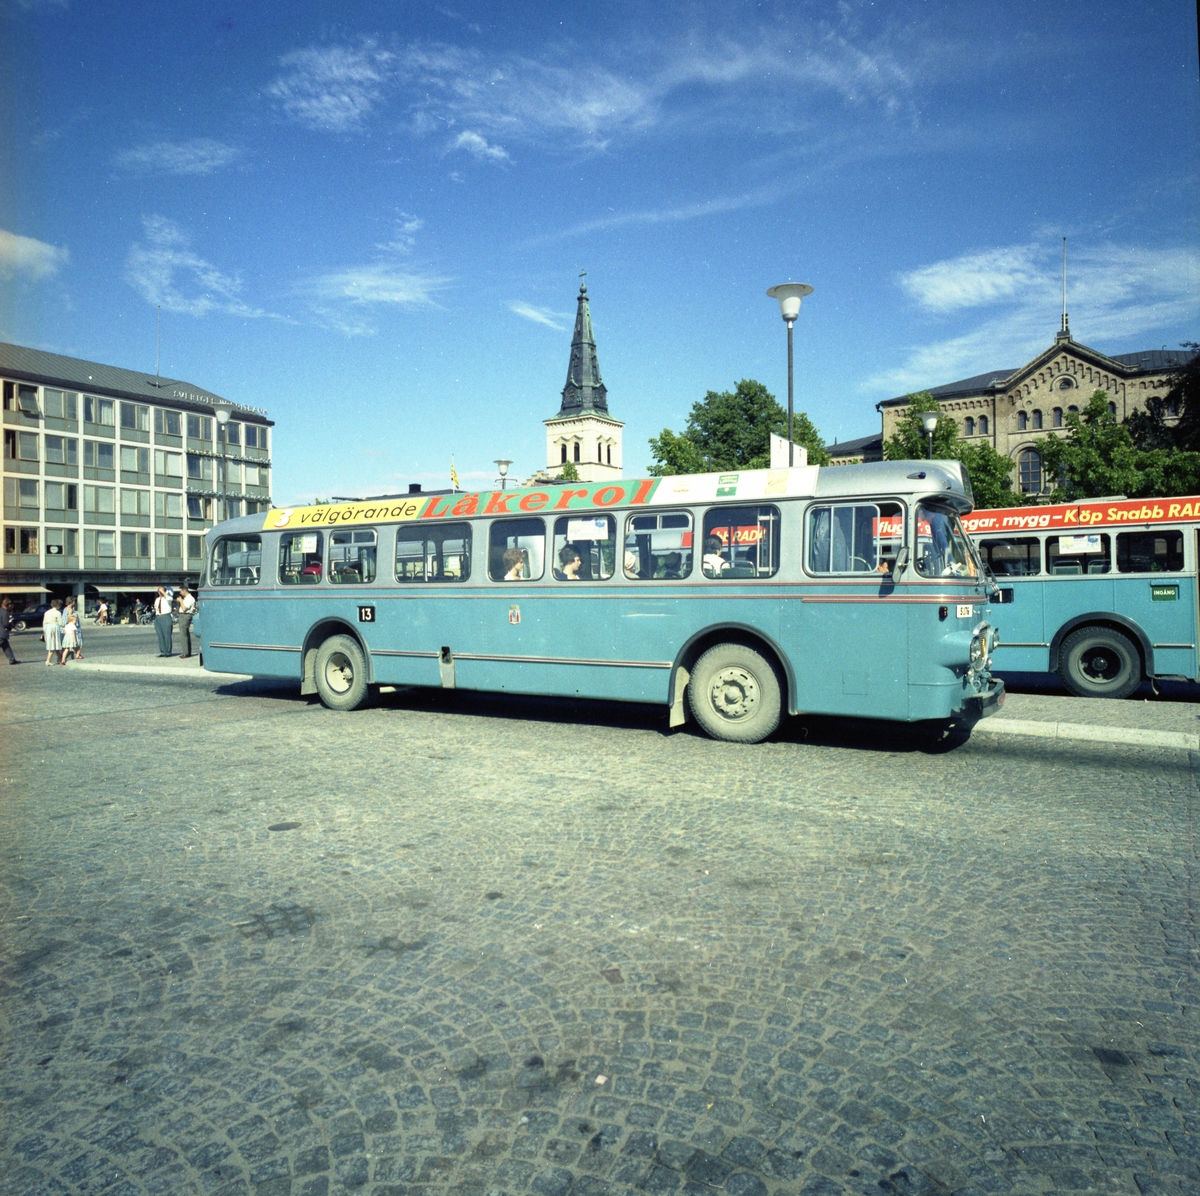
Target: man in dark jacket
{"x": 5, "y": 627}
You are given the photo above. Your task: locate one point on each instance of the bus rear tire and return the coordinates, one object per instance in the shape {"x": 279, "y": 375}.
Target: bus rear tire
{"x": 735, "y": 694}
{"x": 340, "y": 673}
{"x": 1095, "y": 662}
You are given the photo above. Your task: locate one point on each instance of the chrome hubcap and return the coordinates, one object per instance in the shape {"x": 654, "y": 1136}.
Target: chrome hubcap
{"x": 734, "y": 693}
{"x": 339, "y": 673}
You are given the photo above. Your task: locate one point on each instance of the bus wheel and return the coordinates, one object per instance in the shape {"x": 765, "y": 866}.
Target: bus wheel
{"x": 1095, "y": 662}
{"x": 341, "y": 673}
{"x": 734, "y": 693}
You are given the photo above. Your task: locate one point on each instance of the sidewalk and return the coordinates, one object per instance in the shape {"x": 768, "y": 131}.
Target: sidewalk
{"x": 173, "y": 668}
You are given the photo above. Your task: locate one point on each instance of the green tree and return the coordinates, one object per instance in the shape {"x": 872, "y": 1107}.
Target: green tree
{"x": 991, "y": 473}
{"x": 568, "y": 473}
{"x": 1149, "y": 428}
{"x": 728, "y": 430}
{"x": 1096, "y": 457}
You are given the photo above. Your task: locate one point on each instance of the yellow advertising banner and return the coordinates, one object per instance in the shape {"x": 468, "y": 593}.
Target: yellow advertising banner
{"x": 394, "y": 510}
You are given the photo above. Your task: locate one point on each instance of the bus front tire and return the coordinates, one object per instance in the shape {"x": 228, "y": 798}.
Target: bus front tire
{"x": 1095, "y": 662}
{"x": 340, "y": 673}
{"x": 735, "y": 694}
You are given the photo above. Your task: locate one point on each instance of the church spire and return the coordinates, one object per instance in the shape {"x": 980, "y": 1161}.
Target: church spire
{"x": 585, "y": 390}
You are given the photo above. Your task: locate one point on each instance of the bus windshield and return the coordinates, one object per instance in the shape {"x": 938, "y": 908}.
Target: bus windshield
{"x": 942, "y": 546}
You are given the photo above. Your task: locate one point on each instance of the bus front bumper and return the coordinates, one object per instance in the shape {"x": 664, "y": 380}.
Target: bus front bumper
{"x": 986, "y": 703}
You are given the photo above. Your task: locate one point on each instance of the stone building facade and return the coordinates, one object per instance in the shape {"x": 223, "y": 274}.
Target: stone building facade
{"x": 1014, "y": 409}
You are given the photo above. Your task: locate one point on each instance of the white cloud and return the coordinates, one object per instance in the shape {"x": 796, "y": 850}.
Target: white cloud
{"x": 200, "y": 156}
{"x": 478, "y": 147}
{"x": 540, "y": 315}
{"x": 974, "y": 279}
{"x": 333, "y": 88}
{"x": 404, "y": 231}
{"x": 166, "y": 271}
{"x": 380, "y": 284}
{"x": 32, "y": 258}
{"x": 1114, "y": 292}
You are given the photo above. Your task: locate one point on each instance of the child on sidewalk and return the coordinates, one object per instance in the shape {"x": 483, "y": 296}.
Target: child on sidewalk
{"x": 70, "y": 639}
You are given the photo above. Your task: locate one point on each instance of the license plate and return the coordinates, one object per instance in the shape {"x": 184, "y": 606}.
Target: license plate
{"x": 965, "y": 610}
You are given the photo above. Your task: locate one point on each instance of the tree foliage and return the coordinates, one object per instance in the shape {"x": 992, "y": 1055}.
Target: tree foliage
{"x": 731, "y": 430}
{"x": 1141, "y": 457}
{"x": 991, "y": 479}
{"x": 568, "y": 473}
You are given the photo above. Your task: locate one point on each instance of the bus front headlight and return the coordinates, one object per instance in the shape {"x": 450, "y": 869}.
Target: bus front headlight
{"x": 979, "y": 648}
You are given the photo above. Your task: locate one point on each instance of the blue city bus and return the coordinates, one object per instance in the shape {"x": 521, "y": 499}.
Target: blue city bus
{"x": 735, "y": 597}
{"x": 1101, "y": 592}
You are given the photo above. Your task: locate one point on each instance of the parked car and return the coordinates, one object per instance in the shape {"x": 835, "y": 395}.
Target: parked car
{"x": 31, "y": 616}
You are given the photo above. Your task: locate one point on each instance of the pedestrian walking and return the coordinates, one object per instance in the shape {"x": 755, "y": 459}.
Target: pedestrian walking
{"x": 187, "y": 611}
{"x": 70, "y": 638}
{"x": 52, "y": 630}
{"x": 102, "y": 614}
{"x": 162, "y": 623}
{"x": 6, "y": 620}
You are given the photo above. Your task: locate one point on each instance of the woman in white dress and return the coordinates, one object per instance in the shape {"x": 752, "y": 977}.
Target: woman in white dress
{"x": 52, "y": 631}
{"x": 70, "y": 638}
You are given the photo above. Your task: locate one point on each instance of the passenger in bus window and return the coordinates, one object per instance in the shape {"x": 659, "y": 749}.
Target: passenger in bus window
{"x": 714, "y": 563}
{"x": 631, "y": 564}
{"x": 569, "y": 561}
{"x": 671, "y": 565}
{"x": 514, "y": 564}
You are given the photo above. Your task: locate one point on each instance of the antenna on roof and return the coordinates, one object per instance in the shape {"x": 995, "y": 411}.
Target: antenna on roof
{"x": 158, "y": 343}
{"x": 1066, "y": 329}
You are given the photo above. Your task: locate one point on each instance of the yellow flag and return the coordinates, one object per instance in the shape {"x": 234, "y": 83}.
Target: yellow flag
{"x": 453, "y": 474}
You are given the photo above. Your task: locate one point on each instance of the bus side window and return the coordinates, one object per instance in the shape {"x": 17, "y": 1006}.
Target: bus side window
{"x": 1069, "y": 556}
{"x": 1019, "y": 556}
{"x": 516, "y": 550}
{"x": 438, "y": 553}
{"x": 741, "y": 542}
{"x": 300, "y": 555}
{"x": 1150, "y": 552}
{"x": 236, "y": 561}
{"x": 593, "y": 540}
{"x": 352, "y": 557}
{"x": 658, "y": 547}
{"x": 854, "y": 538}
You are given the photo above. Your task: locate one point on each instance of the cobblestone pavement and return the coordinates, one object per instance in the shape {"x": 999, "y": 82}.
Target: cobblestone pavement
{"x": 456, "y": 944}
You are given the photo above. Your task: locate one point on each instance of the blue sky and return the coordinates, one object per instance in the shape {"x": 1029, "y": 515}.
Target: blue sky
{"x": 369, "y": 218}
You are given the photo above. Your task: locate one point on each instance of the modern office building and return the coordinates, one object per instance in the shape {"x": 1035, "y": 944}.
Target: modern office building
{"x": 112, "y": 476}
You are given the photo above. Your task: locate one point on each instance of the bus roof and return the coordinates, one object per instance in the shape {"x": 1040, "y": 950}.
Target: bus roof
{"x": 941, "y": 479}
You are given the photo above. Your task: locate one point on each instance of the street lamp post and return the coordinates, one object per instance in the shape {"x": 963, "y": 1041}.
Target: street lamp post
{"x": 789, "y": 295}
{"x": 929, "y": 421}
{"x": 502, "y": 466}
{"x": 223, "y": 411}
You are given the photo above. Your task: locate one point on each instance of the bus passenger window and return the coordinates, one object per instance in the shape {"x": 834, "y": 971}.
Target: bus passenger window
{"x": 352, "y": 557}
{"x": 236, "y": 561}
{"x": 1150, "y": 552}
{"x": 438, "y": 553}
{"x": 300, "y": 558}
{"x": 517, "y": 550}
{"x": 1020, "y": 556}
{"x": 741, "y": 542}
{"x": 591, "y": 541}
{"x": 1068, "y": 556}
{"x": 658, "y": 547}
{"x": 855, "y": 538}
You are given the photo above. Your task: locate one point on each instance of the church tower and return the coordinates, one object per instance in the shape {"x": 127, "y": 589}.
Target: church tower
{"x": 583, "y": 433}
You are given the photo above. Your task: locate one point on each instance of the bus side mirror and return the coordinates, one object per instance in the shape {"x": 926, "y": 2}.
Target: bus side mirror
{"x": 899, "y": 564}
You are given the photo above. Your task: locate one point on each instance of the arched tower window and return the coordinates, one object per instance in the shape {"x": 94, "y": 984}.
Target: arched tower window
{"x": 1057, "y": 417}
{"x": 564, "y": 453}
{"x": 983, "y": 425}
{"x": 1112, "y": 408}
{"x": 1022, "y": 421}
{"x": 970, "y": 426}
{"x": 1072, "y": 410}
{"x": 577, "y": 450}
{"x": 599, "y": 452}
{"x": 1037, "y": 419}
{"x": 610, "y": 454}
{"x": 1029, "y": 470}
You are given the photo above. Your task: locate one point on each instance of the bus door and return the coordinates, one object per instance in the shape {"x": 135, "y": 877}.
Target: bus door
{"x": 847, "y": 639}
{"x": 1156, "y": 593}
{"x": 1016, "y": 563}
